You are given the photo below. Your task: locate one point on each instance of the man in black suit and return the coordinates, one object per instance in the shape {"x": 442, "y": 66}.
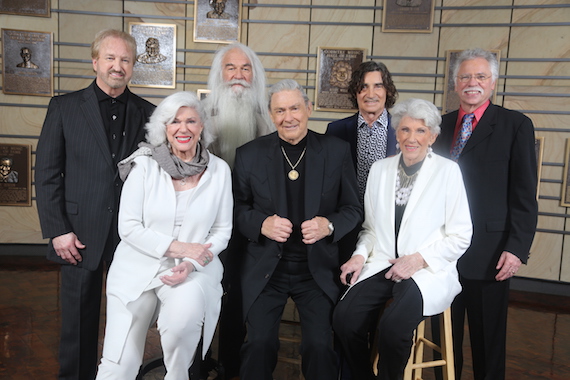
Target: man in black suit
{"x": 85, "y": 134}
{"x": 295, "y": 197}
{"x": 494, "y": 147}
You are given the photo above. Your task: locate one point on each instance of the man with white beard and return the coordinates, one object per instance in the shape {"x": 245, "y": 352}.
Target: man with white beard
{"x": 237, "y": 105}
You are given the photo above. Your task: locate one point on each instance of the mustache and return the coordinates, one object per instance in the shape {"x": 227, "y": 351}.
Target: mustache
{"x": 240, "y": 82}
{"x": 474, "y": 88}
{"x": 116, "y": 72}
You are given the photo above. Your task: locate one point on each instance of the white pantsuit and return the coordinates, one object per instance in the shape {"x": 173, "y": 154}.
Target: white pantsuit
{"x": 135, "y": 294}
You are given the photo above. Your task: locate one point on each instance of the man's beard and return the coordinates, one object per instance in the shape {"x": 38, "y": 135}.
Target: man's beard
{"x": 235, "y": 122}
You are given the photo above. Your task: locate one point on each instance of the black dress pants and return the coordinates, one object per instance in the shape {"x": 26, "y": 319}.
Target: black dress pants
{"x": 259, "y": 352}
{"x": 360, "y": 308}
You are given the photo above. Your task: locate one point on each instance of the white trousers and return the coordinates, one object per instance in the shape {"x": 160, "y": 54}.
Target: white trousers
{"x": 180, "y": 311}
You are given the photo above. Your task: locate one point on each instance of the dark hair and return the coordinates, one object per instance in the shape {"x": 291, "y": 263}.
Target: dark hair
{"x": 357, "y": 82}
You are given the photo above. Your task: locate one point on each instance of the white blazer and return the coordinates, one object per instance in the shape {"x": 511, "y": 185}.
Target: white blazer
{"x": 436, "y": 223}
{"x": 146, "y": 224}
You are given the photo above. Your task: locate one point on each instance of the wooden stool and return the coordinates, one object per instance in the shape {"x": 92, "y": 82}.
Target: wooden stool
{"x": 416, "y": 363}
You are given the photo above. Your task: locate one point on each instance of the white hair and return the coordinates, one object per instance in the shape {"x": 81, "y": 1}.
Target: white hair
{"x": 165, "y": 113}
{"x": 418, "y": 109}
{"x": 467, "y": 55}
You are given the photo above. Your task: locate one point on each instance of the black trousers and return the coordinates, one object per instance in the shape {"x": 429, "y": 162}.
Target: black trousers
{"x": 360, "y": 308}
{"x": 259, "y": 352}
{"x": 486, "y": 304}
{"x": 80, "y": 309}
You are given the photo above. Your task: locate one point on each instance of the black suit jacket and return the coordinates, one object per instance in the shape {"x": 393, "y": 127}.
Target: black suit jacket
{"x": 346, "y": 130}
{"x": 77, "y": 186}
{"x": 500, "y": 174}
{"x": 259, "y": 191}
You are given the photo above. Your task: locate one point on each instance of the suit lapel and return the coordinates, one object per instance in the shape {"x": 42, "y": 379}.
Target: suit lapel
{"x": 484, "y": 128}
{"x": 275, "y": 176}
{"x": 133, "y": 121}
{"x": 92, "y": 113}
{"x": 315, "y": 169}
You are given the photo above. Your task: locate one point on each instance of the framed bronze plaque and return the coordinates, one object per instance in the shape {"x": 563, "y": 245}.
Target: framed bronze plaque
{"x": 27, "y": 64}
{"x": 15, "y": 175}
{"x": 156, "y": 59}
{"x": 538, "y": 151}
{"x": 40, "y": 8}
{"x": 202, "y": 93}
{"x": 565, "y": 201}
{"x": 450, "y": 97}
{"x": 334, "y": 70}
{"x": 217, "y": 21}
{"x": 412, "y": 16}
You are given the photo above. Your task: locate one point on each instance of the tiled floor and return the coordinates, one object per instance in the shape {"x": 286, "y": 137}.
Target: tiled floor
{"x": 538, "y": 340}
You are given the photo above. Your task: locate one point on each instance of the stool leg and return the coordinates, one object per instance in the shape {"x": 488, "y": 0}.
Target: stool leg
{"x": 408, "y": 371}
{"x": 447, "y": 345}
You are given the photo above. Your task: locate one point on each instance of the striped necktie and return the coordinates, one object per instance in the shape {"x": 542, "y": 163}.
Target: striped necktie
{"x": 462, "y": 136}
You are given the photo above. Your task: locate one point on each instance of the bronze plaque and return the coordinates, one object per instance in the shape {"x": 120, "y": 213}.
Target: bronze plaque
{"x": 27, "y": 65}
{"x": 414, "y": 16}
{"x": 155, "y": 65}
{"x": 40, "y": 8}
{"x": 217, "y": 21}
{"x": 539, "y": 152}
{"x": 15, "y": 175}
{"x": 334, "y": 70}
{"x": 450, "y": 97}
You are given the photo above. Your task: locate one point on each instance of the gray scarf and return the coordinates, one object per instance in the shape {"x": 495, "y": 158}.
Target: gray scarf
{"x": 173, "y": 165}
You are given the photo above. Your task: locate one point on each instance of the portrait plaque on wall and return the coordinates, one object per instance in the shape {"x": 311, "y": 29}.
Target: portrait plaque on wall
{"x": 538, "y": 151}
{"x": 15, "y": 175}
{"x": 334, "y": 70}
{"x": 202, "y": 93}
{"x": 450, "y": 97}
{"x": 412, "y": 16}
{"x": 27, "y": 64}
{"x": 155, "y": 64}
{"x": 217, "y": 21}
{"x": 40, "y": 8}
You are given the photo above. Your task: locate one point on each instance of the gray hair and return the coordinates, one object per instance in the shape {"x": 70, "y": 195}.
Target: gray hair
{"x": 418, "y": 109}
{"x": 165, "y": 113}
{"x": 287, "y": 85}
{"x": 467, "y": 55}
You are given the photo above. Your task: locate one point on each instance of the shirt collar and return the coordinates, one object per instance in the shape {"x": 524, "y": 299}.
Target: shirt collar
{"x": 381, "y": 121}
{"x": 478, "y": 112}
{"x": 102, "y": 96}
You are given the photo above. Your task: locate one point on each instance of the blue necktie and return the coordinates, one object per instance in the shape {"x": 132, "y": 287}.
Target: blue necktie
{"x": 462, "y": 136}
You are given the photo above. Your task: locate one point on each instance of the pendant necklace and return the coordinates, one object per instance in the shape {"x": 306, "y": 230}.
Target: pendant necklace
{"x": 293, "y": 174}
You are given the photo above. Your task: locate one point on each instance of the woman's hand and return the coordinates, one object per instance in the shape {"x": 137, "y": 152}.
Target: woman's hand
{"x": 351, "y": 269}
{"x": 404, "y": 267}
{"x": 179, "y": 274}
{"x": 199, "y": 252}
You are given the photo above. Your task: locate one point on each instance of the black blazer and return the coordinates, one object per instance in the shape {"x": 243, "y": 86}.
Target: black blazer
{"x": 259, "y": 191}
{"x": 500, "y": 174}
{"x": 77, "y": 185}
{"x": 346, "y": 130}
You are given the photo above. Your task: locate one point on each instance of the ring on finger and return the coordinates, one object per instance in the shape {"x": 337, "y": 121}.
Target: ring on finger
{"x": 397, "y": 281}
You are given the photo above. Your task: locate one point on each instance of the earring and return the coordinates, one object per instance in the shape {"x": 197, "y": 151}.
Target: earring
{"x": 397, "y": 146}
{"x": 430, "y": 151}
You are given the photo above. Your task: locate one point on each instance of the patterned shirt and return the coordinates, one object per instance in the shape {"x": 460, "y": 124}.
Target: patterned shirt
{"x": 371, "y": 143}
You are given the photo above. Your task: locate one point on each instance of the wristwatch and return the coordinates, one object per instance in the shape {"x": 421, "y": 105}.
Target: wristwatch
{"x": 331, "y": 228}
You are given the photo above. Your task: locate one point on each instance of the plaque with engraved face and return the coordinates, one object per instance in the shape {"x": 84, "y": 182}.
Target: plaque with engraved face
{"x": 217, "y": 21}
{"x": 15, "y": 175}
{"x": 414, "y": 16}
{"x": 334, "y": 70}
{"x": 40, "y": 8}
{"x": 155, "y": 64}
{"x": 27, "y": 65}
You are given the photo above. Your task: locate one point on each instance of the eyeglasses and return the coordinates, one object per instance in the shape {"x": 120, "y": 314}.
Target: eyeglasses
{"x": 478, "y": 77}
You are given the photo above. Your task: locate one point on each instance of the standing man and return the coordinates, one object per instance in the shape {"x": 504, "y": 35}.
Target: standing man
{"x": 237, "y": 105}
{"x": 296, "y": 196}
{"x": 368, "y": 131}
{"x": 85, "y": 134}
{"x": 494, "y": 148}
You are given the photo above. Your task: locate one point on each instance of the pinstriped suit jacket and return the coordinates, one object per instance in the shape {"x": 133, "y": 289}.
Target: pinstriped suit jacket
{"x": 77, "y": 186}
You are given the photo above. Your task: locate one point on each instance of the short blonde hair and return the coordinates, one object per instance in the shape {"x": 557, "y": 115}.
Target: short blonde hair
{"x": 101, "y": 35}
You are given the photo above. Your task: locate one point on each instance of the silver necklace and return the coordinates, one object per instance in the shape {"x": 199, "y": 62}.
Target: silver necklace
{"x": 293, "y": 174}
{"x": 404, "y": 186}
